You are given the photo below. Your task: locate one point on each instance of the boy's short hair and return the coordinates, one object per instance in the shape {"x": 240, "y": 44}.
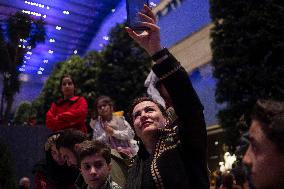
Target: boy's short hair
{"x": 270, "y": 114}
{"x": 90, "y": 147}
{"x": 69, "y": 137}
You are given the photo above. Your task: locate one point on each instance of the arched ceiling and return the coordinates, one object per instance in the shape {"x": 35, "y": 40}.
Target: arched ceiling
{"x": 71, "y": 25}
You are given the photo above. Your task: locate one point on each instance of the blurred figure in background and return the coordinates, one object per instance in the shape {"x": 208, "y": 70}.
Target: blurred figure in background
{"x": 52, "y": 172}
{"x": 24, "y": 183}
{"x": 112, "y": 129}
{"x": 68, "y": 112}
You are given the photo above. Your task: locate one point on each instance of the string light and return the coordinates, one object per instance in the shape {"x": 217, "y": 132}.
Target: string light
{"x": 45, "y": 61}
{"x": 58, "y": 27}
{"x": 66, "y": 12}
{"x": 51, "y": 40}
{"x": 35, "y": 4}
{"x": 50, "y": 51}
{"x": 31, "y": 13}
{"x": 152, "y": 4}
{"x": 112, "y": 10}
{"x": 75, "y": 51}
{"x": 106, "y": 38}
{"x": 39, "y": 72}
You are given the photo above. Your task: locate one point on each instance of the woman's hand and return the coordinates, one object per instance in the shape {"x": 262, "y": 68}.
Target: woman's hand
{"x": 150, "y": 39}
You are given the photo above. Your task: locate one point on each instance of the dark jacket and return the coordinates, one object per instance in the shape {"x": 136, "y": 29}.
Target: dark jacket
{"x": 80, "y": 184}
{"x": 53, "y": 176}
{"x": 180, "y": 157}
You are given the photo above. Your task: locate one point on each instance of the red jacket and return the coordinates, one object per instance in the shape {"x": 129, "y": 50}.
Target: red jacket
{"x": 66, "y": 114}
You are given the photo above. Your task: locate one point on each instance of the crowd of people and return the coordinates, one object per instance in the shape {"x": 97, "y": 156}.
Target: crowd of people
{"x": 170, "y": 147}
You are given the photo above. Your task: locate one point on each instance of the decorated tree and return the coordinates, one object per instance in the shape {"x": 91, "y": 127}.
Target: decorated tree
{"x": 248, "y": 46}
{"x": 21, "y": 34}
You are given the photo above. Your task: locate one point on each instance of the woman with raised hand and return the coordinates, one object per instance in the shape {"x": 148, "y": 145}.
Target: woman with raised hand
{"x": 170, "y": 156}
{"x": 70, "y": 111}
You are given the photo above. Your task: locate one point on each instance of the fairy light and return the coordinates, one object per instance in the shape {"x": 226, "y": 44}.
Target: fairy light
{"x": 51, "y": 40}
{"x": 58, "y": 27}
{"x": 106, "y": 38}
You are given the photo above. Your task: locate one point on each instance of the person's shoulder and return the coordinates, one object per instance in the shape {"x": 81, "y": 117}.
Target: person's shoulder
{"x": 114, "y": 185}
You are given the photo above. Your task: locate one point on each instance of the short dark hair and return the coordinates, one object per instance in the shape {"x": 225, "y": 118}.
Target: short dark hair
{"x": 69, "y": 137}
{"x": 270, "y": 114}
{"x": 90, "y": 147}
{"x": 142, "y": 99}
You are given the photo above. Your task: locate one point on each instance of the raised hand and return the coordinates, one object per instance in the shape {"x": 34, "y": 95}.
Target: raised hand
{"x": 150, "y": 39}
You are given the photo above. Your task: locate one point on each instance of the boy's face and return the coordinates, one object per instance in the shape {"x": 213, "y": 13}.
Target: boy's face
{"x": 265, "y": 162}
{"x": 68, "y": 156}
{"x": 95, "y": 170}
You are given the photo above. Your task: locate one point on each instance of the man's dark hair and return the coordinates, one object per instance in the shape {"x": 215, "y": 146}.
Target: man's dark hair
{"x": 69, "y": 137}
{"x": 270, "y": 114}
{"x": 90, "y": 147}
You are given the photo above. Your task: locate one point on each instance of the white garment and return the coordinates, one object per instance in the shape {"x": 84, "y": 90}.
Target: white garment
{"x": 123, "y": 135}
{"x": 150, "y": 83}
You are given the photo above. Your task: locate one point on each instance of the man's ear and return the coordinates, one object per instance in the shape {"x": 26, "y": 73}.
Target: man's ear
{"x": 77, "y": 147}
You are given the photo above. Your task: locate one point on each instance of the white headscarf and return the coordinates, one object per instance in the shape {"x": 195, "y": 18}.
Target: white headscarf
{"x": 152, "y": 91}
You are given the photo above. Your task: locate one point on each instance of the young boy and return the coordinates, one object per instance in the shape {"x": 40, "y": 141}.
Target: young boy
{"x": 95, "y": 165}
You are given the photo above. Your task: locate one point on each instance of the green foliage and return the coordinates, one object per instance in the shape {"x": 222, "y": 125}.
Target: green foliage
{"x": 7, "y": 172}
{"x": 248, "y": 46}
{"x": 119, "y": 71}
{"x": 18, "y": 27}
{"x": 124, "y": 69}
{"x": 24, "y": 113}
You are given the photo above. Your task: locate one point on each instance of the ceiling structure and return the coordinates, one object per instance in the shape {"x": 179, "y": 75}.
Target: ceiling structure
{"x": 71, "y": 25}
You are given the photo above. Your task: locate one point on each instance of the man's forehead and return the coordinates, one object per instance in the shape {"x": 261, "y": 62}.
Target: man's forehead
{"x": 94, "y": 158}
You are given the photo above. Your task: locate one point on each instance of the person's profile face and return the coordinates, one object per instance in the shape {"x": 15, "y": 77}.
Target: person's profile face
{"x": 95, "y": 170}
{"x": 68, "y": 156}
{"x": 56, "y": 155}
{"x": 67, "y": 87}
{"x": 147, "y": 119}
{"x": 265, "y": 162}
